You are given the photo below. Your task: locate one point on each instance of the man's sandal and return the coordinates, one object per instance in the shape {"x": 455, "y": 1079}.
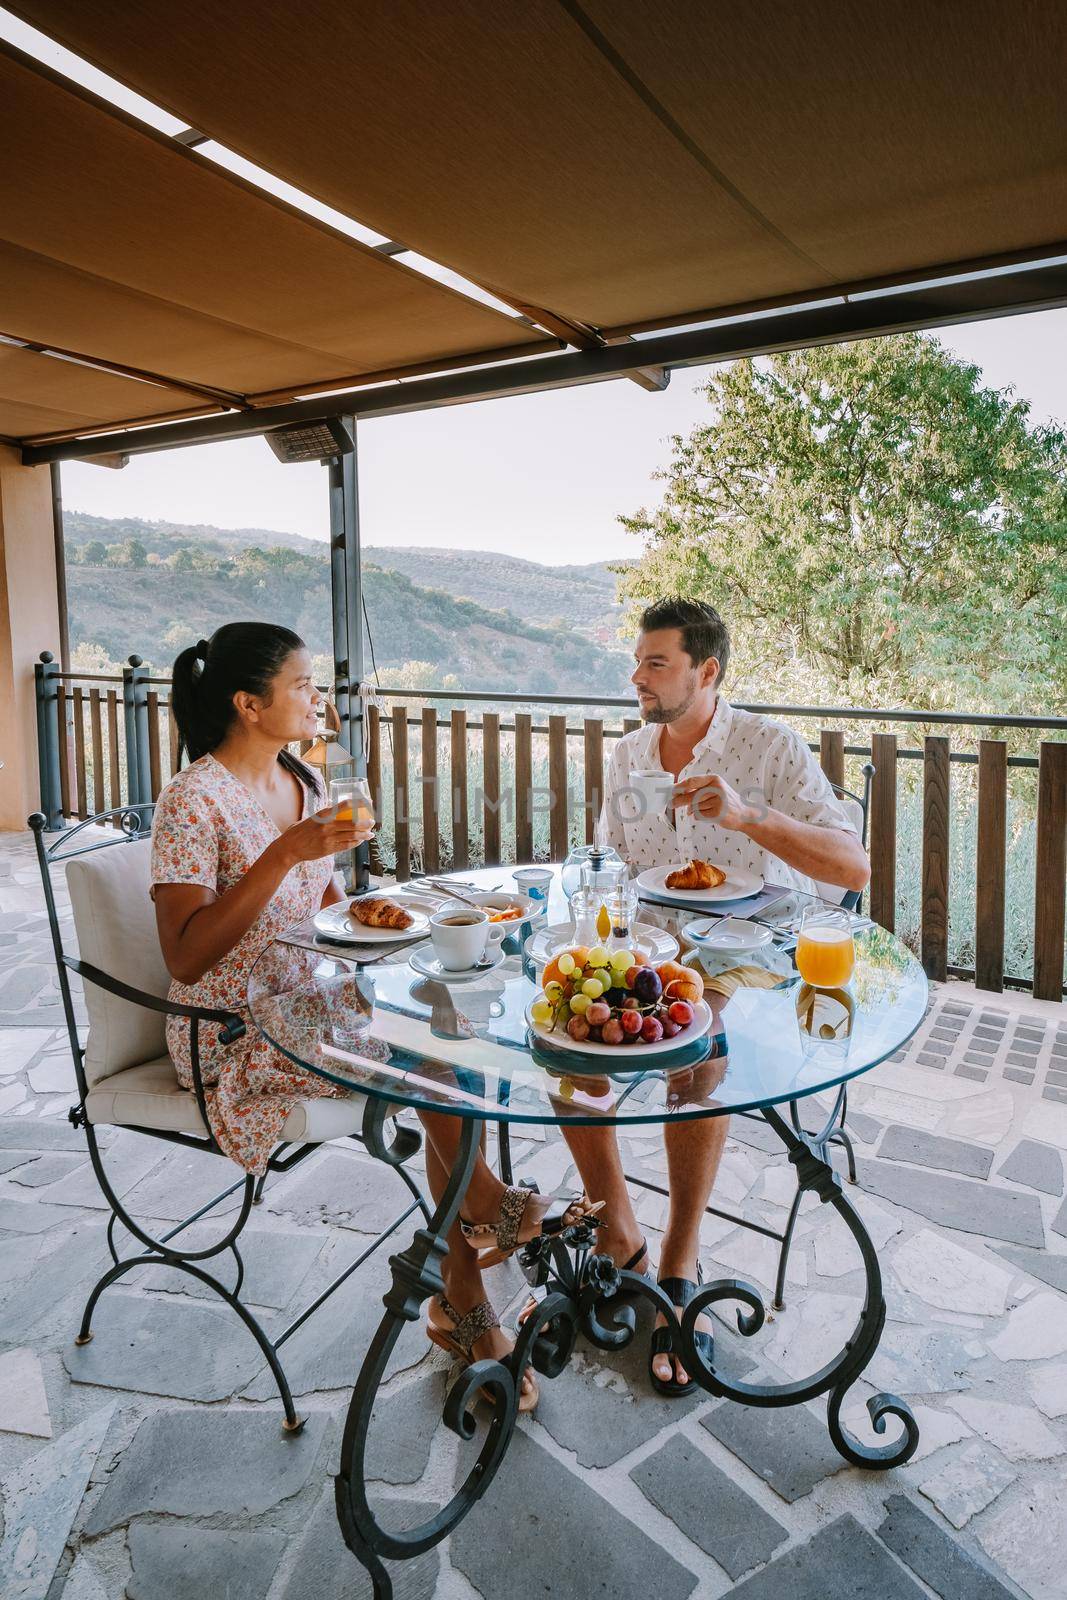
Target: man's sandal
{"x": 679, "y": 1291}
{"x": 504, "y": 1232}
{"x": 461, "y": 1334}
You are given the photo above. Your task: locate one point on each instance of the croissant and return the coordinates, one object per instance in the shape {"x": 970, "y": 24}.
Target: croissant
{"x": 376, "y": 912}
{"x": 697, "y": 875}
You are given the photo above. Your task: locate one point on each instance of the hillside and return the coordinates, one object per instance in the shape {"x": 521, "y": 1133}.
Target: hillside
{"x": 154, "y": 587}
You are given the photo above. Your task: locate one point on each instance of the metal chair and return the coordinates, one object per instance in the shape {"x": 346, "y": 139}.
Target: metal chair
{"x": 126, "y": 1078}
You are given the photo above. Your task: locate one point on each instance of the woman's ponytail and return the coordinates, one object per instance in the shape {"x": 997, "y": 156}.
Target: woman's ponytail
{"x": 239, "y": 657}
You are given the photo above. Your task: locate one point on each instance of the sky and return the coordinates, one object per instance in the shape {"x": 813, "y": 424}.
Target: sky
{"x": 541, "y": 476}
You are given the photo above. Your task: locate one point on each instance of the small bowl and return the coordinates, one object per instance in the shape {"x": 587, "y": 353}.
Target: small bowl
{"x": 728, "y": 933}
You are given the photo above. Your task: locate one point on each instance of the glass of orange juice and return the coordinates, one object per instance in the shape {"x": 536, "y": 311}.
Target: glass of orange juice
{"x": 351, "y": 798}
{"x": 825, "y": 953}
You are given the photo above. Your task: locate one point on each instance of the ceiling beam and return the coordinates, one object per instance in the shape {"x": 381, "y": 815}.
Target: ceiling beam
{"x": 927, "y": 306}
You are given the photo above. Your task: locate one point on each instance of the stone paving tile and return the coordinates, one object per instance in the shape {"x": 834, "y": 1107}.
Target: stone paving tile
{"x": 1059, "y": 1224}
{"x": 1024, "y": 1536}
{"x": 202, "y": 1463}
{"x": 40, "y": 1500}
{"x": 23, "y": 1400}
{"x": 403, "y": 1425}
{"x": 327, "y": 1351}
{"x": 186, "y": 1562}
{"x": 952, "y": 1572}
{"x": 84, "y": 1581}
{"x": 187, "y": 1351}
{"x": 1038, "y": 1263}
{"x": 344, "y": 1190}
{"x": 126, "y": 1161}
{"x": 946, "y": 1275}
{"x": 325, "y": 1567}
{"x": 1048, "y": 1385}
{"x": 563, "y": 1539}
{"x": 927, "y": 1150}
{"x": 11, "y": 1159}
{"x": 1013, "y": 1430}
{"x": 792, "y": 1455}
{"x": 15, "y": 1134}
{"x": 1037, "y": 1165}
{"x": 27, "y": 1215}
{"x": 277, "y": 1263}
{"x": 841, "y": 1562}
{"x": 708, "y": 1506}
{"x": 181, "y": 1183}
{"x": 968, "y": 1484}
{"x": 48, "y": 1169}
{"x": 957, "y": 1202}
{"x": 40, "y": 1303}
{"x": 1036, "y": 1330}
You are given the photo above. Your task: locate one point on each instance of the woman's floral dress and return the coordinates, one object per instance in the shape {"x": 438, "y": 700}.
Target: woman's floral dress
{"x": 209, "y": 829}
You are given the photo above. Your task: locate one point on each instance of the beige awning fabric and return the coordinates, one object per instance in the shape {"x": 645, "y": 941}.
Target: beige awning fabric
{"x": 122, "y": 246}
{"x": 620, "y": 163}
{"x": 40, "y": 395}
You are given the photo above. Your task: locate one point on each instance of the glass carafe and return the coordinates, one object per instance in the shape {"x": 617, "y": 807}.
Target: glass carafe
{"x": 598, "y": 861}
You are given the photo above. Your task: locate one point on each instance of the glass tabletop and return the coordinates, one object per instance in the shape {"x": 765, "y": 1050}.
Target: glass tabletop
{"x": 465, "y": 1047}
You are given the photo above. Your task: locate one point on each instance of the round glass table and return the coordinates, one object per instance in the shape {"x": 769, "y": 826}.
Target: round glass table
{"x": 407, "y": 1041}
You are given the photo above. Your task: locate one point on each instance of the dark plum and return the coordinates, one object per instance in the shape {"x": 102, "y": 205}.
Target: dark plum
{"x": 647, "y": 986}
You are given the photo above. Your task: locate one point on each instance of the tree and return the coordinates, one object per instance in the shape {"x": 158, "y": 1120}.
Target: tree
{"x": 94, "y": 553}
{"x": 130, "y": 553}
{"x": 874, "y": 511}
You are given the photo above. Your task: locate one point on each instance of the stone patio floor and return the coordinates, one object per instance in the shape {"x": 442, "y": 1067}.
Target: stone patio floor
{"x": 150, "y": 1464}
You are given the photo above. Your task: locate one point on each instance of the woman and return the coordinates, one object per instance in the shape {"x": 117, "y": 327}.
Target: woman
{"x": 242, "y": 849}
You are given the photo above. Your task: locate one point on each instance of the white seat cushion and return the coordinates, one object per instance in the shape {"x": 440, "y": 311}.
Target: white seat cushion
{"x": 150, "y": 1096}
{"x": 115, "y": 924}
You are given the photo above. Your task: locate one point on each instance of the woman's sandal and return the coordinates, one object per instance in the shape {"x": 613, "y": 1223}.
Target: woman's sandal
{"x": 679, "y": 1291}
{"x": 504, "y": 1232}
{"x": 463, "y": 1333}
{"x": 538, "y": 1295}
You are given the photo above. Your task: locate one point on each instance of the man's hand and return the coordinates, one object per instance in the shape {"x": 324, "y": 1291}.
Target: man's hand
{"x": 712, "y": 800}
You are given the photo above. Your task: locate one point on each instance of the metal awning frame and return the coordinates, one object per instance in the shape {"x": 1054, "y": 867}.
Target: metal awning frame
{"x": 965, "y": 292}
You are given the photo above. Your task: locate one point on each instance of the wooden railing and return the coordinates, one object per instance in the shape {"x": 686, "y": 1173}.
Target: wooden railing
{"x": 518, "y": 778}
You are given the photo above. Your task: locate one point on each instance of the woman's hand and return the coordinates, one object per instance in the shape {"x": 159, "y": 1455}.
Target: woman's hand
{"x": 323, "y": 834}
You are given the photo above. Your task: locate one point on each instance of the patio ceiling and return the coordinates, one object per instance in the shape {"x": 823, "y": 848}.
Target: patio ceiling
{"x": 120, "y": 246}
{"x": 608, "y": 170}
{"x": 622, "y": 164}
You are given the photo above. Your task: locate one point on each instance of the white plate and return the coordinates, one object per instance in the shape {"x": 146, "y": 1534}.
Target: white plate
{"x": 500, "y": 899}
{"x": 336, "y": 923}
{"x": 635, "y": 1052}
{"x": 738, "y": 886}
{"x": 424, "y": 961}
{"x": 656, "y": 943}
{"x": 728, "y": 933}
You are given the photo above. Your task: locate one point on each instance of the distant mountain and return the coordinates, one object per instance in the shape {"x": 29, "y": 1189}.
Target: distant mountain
{"x": 481, "y": 619}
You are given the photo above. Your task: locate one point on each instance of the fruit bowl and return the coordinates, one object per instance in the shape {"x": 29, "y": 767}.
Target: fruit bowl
{"x": 617, "y": 1003}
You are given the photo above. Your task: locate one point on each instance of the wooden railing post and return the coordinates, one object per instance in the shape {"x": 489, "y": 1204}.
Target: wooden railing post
{"x": 559, "y": 841}
{"x": 155, "y": 764}
{"x": 594, "y": 775}
{"x": 832, "y": 755}
{"x": 461, "y": 847}
{"x": 401, "y": 812}
{"x": 97, "y": 731}
{"x": 524, "y": 786}
{"x": 491, "y": 788}
{"x": 373, "y": 726}
{"x": 431, "y": 835}
{"x": 79, "y": 752}
{"x": 990, "y": 864}
{"x": 934, "y": 936}
{"x": 1050, "y": 868}
{"x": 883, "y": 830}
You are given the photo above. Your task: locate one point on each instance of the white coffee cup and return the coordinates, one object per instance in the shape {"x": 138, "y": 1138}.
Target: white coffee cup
{"x": 461, "y": 935}
{"x": 653, "y": 788}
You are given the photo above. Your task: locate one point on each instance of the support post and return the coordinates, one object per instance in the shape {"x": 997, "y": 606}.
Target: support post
{"x": 46, "y": 673}
{"x": 135, "y": 718}
{"x": 346, "y": 584}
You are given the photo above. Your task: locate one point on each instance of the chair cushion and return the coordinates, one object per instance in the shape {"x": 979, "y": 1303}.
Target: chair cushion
{"x": 150, "y": 1096}
{"x": 115, "y": 924}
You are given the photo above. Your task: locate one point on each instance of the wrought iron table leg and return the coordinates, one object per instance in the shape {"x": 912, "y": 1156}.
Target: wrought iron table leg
{"x": 417, "y": 1275}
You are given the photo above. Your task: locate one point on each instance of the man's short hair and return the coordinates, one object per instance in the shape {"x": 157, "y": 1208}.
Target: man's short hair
{"x": 704, "y": 633}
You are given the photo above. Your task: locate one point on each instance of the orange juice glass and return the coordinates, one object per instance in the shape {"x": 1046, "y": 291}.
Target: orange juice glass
{"x": 351, "y": 797}
{"x": 825, "y": 953}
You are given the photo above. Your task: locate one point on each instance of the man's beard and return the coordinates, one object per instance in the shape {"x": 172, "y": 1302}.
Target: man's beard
{"x": 662, "y": 713}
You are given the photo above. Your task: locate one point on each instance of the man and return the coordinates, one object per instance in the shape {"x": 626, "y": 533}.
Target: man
{"x": 748, "y": 793}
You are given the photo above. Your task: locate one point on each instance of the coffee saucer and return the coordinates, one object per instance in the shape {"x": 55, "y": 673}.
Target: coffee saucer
{"x": 423, "y": 960}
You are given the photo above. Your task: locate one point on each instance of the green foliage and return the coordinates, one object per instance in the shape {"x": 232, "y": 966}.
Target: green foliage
{"x": 872, "y": 515}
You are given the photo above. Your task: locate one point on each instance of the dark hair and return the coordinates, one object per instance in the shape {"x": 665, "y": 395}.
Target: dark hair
{"x": 704, "y": 633}
{"x": 240, "y": 657}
